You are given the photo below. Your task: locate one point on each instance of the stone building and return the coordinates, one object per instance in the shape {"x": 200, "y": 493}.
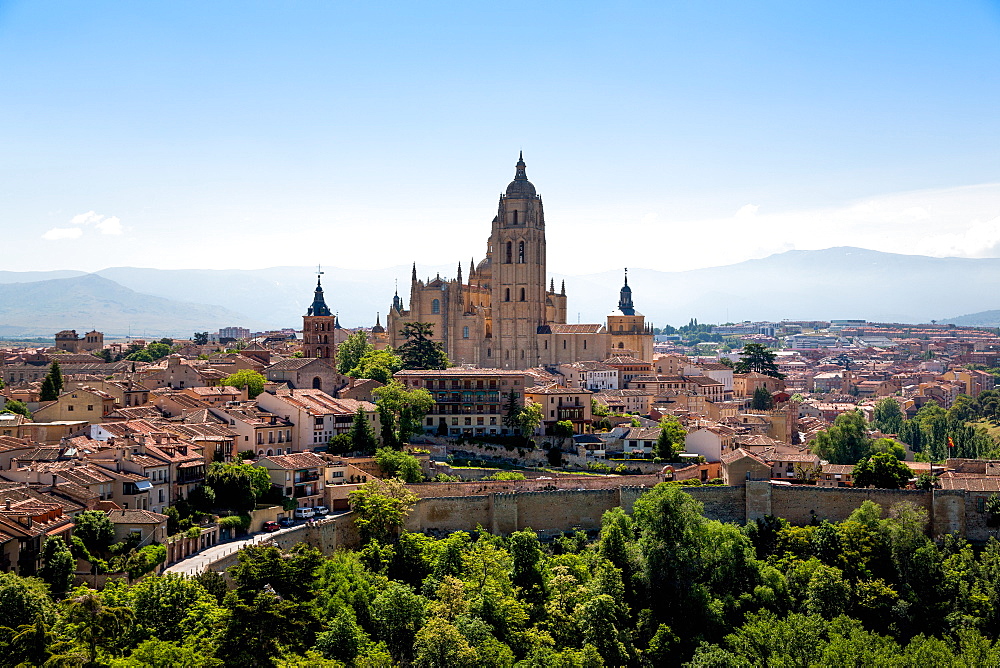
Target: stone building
{"x": 321, "y": 330}
{"x": 69, "y": 341}
{"x": 503, "y": 315}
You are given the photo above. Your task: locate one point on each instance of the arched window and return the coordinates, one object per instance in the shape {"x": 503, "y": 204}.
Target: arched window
{"x": 489, "y": 352}
{"x": 522, "y": 294}
{"x": 515, "y": 216}
{"x": 510, "y": 249}
{"x": 436, "y": 306}
{"x": 317, "y": 383}
{"x": 506, "y": 295}
{"x": 621, "y": 345}
{"x": 522, "y": 353}
{"x": 465, "y": 332}
{"x": 520, "y": 252}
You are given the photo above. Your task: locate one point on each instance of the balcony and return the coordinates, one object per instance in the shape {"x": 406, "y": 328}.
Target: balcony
{"x": 305, "y": 478}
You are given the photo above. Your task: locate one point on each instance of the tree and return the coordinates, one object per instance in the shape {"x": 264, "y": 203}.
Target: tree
{"x": 398, "y": 613}
{"x": 382, "y": 507}
{"x": 16, "y": 407}
{"x": 846, "y": 441}
{"x": 755, "y": 357}
{"x": 238, "y": 485}
{"x": 58, "y": 565}
{"x": 95, "y": 530}
{"x": 378, "y": 365}
{"x": 140, "y": 356}
{"x": 158, "y": 349}
{"x": 563, "y": 429}
{"x": 512, "y": 409}
{"x": 200, "y": 338}
{"x": 248, "y": 378}
{"x": 401, "y": 411}
{"x": 671, "y": 438}
{"x": 762, "y": 400}
{"x": 397, "y": 464}
{"x": 505, "y": 475}
{"x": 419, "y": 351}
{"x": 438, "y": 644}
{"x": 351, "y": 350}
{"x": 55, "y": 373}
{"x": 24, "y": 601}
{"x": 95, "y": 624}
{"x": 888, "y": 417}
{"x": 528, "y": 418}
{"x": 362, "y": 436}
{"x": 881, "y": 470}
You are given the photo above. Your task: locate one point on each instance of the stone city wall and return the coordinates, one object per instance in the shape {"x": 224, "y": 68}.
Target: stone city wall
{"x": 436, "y": 489}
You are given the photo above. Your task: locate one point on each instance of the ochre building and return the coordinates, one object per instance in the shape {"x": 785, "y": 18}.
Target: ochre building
{"x": 506, "y": 313}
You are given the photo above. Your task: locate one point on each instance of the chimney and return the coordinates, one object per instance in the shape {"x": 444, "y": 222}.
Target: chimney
{"x": 13, "y": 463}
{"x": 53, "y": 479}
{"x": 7, "y": 504}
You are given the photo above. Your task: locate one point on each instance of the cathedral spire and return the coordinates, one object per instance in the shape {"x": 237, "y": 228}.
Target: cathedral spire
{"x": 319, "y": 306}
{"x": 459, "y": 272}
{"x": 414, "y": 276}
{"x": 625, "y": 299}
{"x": 472, "y": 267}
{"x": 563, "y": 291}
{"x": 552, "y": 285}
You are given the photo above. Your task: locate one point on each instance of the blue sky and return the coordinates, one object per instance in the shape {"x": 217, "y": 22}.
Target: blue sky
{"x": 253, "y": 134}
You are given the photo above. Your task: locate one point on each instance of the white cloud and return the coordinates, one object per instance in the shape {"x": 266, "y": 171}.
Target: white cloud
{"x": 747, "y": 211}
{"x": 57, "y": 233}
{"x": 110, "y": 225}
{"x": 86, "y": 218}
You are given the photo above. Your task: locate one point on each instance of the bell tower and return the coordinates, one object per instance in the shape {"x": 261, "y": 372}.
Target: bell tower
{"x": 516, "y": 253}
{"x": 318, "y": 327}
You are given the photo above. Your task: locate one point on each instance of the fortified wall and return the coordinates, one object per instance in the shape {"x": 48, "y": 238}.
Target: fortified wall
{"x": 554, "y": 511}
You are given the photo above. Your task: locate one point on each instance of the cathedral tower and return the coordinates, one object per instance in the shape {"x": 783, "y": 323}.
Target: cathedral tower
{"x": 516, "y": 254}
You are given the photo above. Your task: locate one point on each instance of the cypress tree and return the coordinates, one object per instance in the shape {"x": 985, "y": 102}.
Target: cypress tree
{"x": 362, "y": 436}
{"x": 55, "y": 371}
{"x": 48, "y": 391}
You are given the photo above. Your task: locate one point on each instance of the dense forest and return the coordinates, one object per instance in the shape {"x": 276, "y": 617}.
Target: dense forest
{"x": 660, "y": 586}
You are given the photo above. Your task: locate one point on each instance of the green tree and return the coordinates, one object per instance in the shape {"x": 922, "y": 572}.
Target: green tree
{"x": 24, "y": 601}
{"x": 756, "y": 357}
{"x": 350, "y": 352}
{"x": 158, "y": 350}
{"x": 94, "y": 624}
{"x": 846, "y": 441}
{"x": 528, "y": 418}
{"x": 58, "y": 565}
{"x": 248, "y": 378}
{"x": 670, "y": 440}
{"x": 888, "y": 417}
{"x": 438, "y": 644}
{"x": 401, "y": 411}
{"x": 512, "y": 409}
{"x": 419, "y": 351}
{"x": 505, "y": 475}
{"x": 563, "y": 429}
{"x": 762, "y": 400}
{"x": 52, "y": 384}
{"x": 16, "y": 407}
{"x": 398, "y": 613}
{"x": 362, "y": 435}
{"x": 397, "y": 464}
{"x": 237, "y": 485}
{"x": 881, "y": 470}
{"x": 200, "y": 338}
{"x": 381, "y": 507}
{"x": 95, "y": 530}
{"x": 378, "y": 365}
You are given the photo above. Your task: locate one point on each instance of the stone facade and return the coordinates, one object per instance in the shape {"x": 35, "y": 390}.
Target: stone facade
{"x": 504, "y": 316}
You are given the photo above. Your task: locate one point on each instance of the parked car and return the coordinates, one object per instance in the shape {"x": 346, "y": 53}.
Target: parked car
{"x": 270, "y": 526}
{"x": 321, "y": 510}
{"x": 304, "y": 513}
{"x": 286, "y": 521}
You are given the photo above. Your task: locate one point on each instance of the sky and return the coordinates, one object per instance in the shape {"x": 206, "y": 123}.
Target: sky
{"x": 363, "y": 135}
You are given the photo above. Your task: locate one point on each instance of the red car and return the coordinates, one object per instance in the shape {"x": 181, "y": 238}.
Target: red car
{"x": 270, "y": 526}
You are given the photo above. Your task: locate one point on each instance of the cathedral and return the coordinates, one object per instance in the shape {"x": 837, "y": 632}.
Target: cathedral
{"x": 502, "y": 314}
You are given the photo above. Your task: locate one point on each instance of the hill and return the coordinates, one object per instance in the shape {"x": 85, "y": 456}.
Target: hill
{"x": 82, "y": 302}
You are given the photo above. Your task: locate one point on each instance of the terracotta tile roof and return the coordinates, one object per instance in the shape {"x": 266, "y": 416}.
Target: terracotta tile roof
{"x": 972, "y": 484}
{"x": 298, "y": 460}
{"x": 554, "y": 389}
{"x": 317, "y": 402}
{"x": 739, "y": 453}
{"x": 624, "y": 360}
{"x": 133, "y": 516}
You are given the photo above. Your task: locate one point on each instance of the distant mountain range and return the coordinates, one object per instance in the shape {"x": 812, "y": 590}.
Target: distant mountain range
{"x": 798, "y": 285}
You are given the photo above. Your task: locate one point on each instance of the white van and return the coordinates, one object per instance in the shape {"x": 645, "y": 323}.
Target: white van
{"x": 304, "y": 513}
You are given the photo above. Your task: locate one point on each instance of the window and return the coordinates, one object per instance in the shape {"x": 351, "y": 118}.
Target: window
{"x": 465, "y": 332}
{"x": 90, "y": 407}
{"x": 515, "y": 216}
{"x": 506, "y": 295}
{"x": 621, "y": 345}
{"x": 520, "y": 252}
{"x": 546, "y": 345}
{"x": 510, "y": 247}
{"x": 522, "y": 294}
{"x": 436, "y": 306}
{"x": 69, "y": 408}
{"x": 564, "y": 344}
{"x": 585, "y": 344}
{"x": 489, "y": 352}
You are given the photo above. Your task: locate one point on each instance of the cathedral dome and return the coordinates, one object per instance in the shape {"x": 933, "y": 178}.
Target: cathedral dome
{"x": 521, "y": 187}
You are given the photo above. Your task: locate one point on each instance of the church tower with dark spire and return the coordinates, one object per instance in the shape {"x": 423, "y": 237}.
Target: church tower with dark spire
{"x": 319, "y": 326}
{"x": 630, "y": 335}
